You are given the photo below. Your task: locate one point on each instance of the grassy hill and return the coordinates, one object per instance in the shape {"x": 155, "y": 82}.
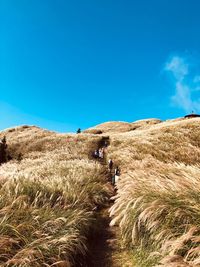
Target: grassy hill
{"x": 48, "y": 197}
{"x": 51, "y": 187}
{"x": 157, "y": 205}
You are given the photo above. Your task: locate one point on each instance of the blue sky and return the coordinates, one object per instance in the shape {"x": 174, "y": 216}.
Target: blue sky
{"x": 69, "y": 64}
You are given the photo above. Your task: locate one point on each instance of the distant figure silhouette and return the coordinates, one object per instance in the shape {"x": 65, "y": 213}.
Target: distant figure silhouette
{"x": 101, "y": 153}
{"x": 78, "y": 131}
{"x": 110, "y": 165}
{"x": 117, "y": 174}
{"x": 3, "y": 146}
{"x": 113, "y": 180}
{"x": 106, "y": 143}
{"x": 96, "y": 154}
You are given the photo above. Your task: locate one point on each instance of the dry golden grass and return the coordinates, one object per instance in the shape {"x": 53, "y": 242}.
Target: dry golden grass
{"x": 121, "y": 127}
{"x": 157, "y": 205}
{"x": 47, "y": 198}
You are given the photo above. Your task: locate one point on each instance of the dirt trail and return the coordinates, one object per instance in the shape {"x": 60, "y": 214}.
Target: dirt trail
{"x": 104, "y": 249}
{"x": 103, "y": 243}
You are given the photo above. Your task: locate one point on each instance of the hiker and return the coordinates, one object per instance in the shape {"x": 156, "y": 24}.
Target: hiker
{"x": 117, "y": 171}
{"x": 96, "y": 154}
{"x": 78, "y": 131}
{"x": 101, "y": 153}
{"x": 105, "y": 143}
{"x": 110, "y": 164}
{"x": 117, "y": 174}
{"x": 113, "y": 180}
{"x": 3, "y": 146}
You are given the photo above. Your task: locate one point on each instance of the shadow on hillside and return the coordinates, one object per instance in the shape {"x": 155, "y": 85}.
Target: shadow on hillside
{"x": 101, "y": 245}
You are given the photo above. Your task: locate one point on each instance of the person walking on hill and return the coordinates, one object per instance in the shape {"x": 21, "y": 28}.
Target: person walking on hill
{"x": 101, "y": 153}
{"x": 105, "y": 143}
{"x": 117, "y": 174}
{"x": 78, "y": 131}
{"x": 96, "y": 154}
{"x": 110, "y": 165}
{"x": 117, "y": 171}
{"x": 113, "y": 180}
{"x": 3, "y": 147}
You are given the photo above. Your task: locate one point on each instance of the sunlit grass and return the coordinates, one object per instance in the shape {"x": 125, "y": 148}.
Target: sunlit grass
{"x": 157, "y": 205}
{"x": 47, "y": 199}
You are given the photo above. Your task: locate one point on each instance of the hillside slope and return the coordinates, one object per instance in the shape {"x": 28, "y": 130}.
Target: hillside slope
{"x": 120, "y": 126}
{"x": 157, "y": 205}
{"x": 48, "y": 195}
{"x": 51, "y": 187}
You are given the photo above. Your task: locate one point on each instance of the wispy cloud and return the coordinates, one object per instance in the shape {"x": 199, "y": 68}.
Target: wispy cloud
{"x": 186, "y": 82}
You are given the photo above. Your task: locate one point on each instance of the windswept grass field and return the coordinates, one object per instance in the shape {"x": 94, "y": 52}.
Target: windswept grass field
{"x": 51, "y": 187}
{"x": 157, "y": 205}
{"x": 48, "y": 192}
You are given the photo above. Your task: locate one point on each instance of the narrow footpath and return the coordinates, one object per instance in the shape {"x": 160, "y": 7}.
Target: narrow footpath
{"x": 103, "y": 243}
{"x": 104, "y": 248}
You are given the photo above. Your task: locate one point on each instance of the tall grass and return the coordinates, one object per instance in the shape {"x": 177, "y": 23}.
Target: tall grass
{"x": 47, "y": 200}
{"x": 157, "y": 205}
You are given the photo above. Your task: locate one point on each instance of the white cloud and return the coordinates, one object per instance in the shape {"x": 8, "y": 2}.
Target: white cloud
{"x": 182, "y": 98}
{"x": 178, "y": 67}
{"x": 185, "y": 83}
